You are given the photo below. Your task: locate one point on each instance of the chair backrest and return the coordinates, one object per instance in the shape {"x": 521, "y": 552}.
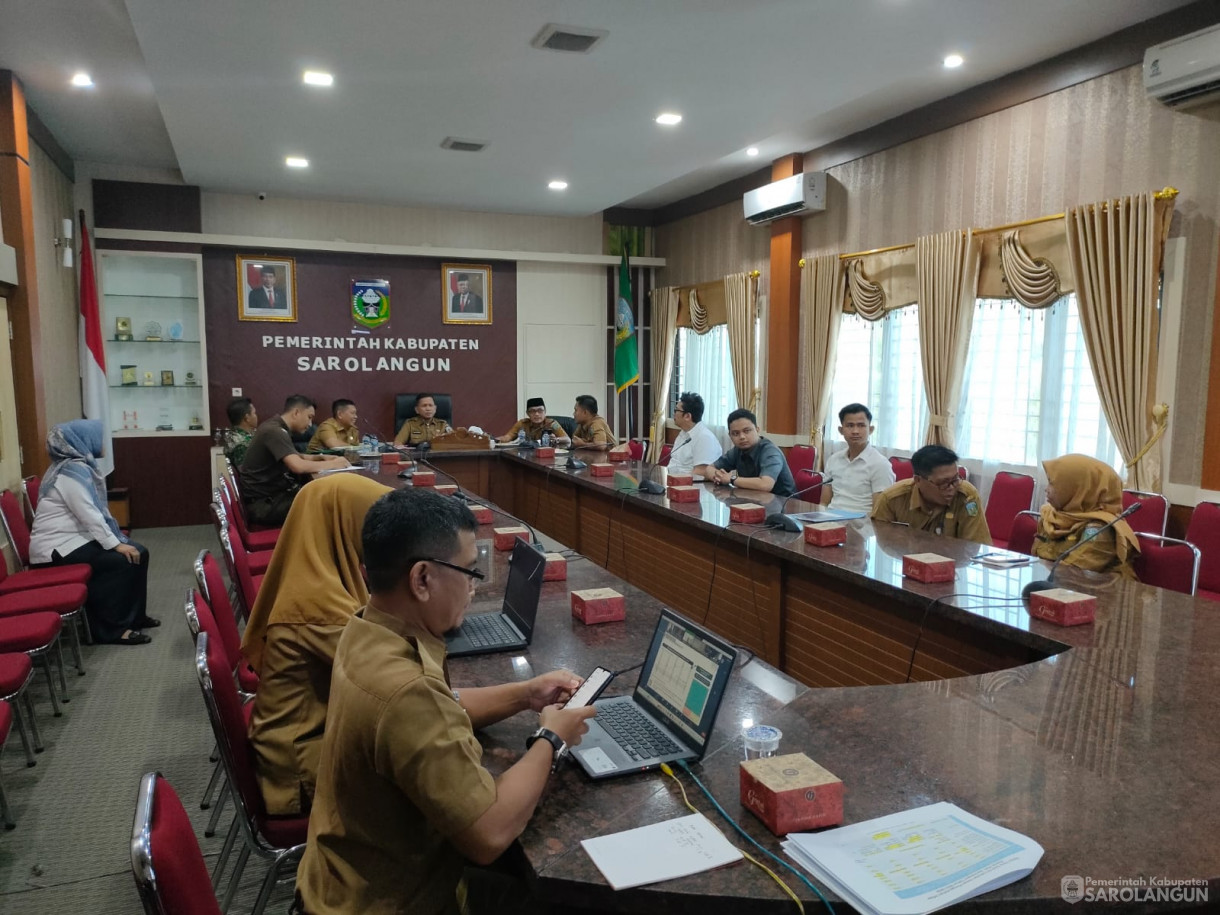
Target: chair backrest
{"x": 1167, "y": 563}
{"x": 636, "y": 449}
{"x": 566, "y": 423}
{"x": 30, "y": 486}
{"x": 404, "y": 409}
{"x": 666, "y": 450}
{"x": 808, "y": 486}
{"x": 902, "y": 468}
{"x": 1022, "y": 532}
{"x": 235, "y": 512}
{"x": 215, "y": 625}
{"x": 1153, "y": 513}
{"x": 1204, "y": 532}
{"x": 239, "y": 572}
{"x": 802, "y": 457}
{"x": 15, "y": 528}
{"x": 212, "y": 585}
{"x": 1010, "y": 493}
{"x": 166, "y": 862}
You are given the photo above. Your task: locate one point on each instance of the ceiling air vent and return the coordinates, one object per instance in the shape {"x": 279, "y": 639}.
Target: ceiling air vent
{"x": 462, "y": 145}
{"x": 568, "y": 38}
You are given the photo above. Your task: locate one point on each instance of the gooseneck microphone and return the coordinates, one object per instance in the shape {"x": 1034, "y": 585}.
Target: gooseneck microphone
{"x": 786, "y": 522}
{"x": 1049, "y": 582}
{"x": 572, "y": 463}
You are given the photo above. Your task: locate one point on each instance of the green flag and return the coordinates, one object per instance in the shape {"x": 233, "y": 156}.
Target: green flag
{"x": 626, "y": 365}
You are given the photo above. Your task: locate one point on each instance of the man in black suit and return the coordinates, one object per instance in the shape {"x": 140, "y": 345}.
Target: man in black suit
{"x": 266, "y": 295}
{"x": 465, "y": 302}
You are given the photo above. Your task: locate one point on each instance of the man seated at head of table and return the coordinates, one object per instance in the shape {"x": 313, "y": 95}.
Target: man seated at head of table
{"x": 860, "y": 472}
{"x": 403, "y": 800}
{"x": 339, "y": 431}
{"x": 935, "y": 499}
{"x": 753, "y": 462}
{"x": 424, "y": 426}
{"x": 696, "y": 444}
{"x": 592, "y": 431}
{"x": 535, "y": 424}
{"x": 271, "y": 471}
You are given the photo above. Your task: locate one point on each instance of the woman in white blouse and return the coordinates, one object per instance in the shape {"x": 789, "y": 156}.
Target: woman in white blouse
{"x": 73, "y": 525}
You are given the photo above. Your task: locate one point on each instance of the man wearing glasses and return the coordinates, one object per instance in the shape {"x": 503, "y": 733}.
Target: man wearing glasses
{"x": 402, "y": 800}
{"x": 936, "y": 499}
{"x": 696, "y": 444}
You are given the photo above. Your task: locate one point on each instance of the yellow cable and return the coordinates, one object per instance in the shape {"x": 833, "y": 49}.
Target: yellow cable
{"x": 749, "y": 857}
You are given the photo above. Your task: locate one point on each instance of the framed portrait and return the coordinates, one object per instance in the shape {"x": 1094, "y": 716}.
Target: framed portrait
{"x": 466, "y": 293}
{"x": 266, "y": 288}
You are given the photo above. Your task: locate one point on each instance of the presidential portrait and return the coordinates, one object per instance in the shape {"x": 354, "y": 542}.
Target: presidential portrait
{"x": 466, "y": 293}
{"x": 266, "y": 288}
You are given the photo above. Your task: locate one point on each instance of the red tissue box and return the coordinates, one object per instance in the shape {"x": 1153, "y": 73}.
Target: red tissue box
{"x": 624, "y": 455}
{"x": 506, "y": 535}
{"x": 679, "y": 479}
{"x": 544, "y": 454}
{"x": 684, "y": 494}
{"x": 423, "y": 478}
{"x": 928, "y": 567}
{"x": 1062, "y": 607}
{"x": 446, "y": 489}
{"x": 791, "y": 793}
{"x": 390, "y": 458}
{"x": 556, "y": 568}
{"x": 601, "y": 470}
{"x": 481, "y": 513}
{"x": 598, "y": 605}
{"x": 746, "y": 513}
{"x": 827, "y": 533}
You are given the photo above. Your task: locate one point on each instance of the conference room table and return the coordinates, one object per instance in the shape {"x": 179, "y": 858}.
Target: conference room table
{"x": 1095, "y": 740}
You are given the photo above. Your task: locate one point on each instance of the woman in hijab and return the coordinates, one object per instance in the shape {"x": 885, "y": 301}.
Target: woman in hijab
{"x": 73, "y": 525}
{"x": 313, "y": 586}
{"x": 1083, "y": 494}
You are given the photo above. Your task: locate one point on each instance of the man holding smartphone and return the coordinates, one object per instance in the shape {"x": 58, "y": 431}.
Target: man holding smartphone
{"x": 402, "y": 800}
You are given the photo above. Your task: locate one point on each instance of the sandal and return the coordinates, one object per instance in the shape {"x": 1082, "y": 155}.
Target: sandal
{"x": 133, "y": 637}
{"x": 148, "y": 622}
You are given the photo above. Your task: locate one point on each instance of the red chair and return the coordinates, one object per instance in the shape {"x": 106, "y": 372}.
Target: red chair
{"x": 962, "y": 473}
{"x": 166, "y": 862}
{"x": 29, "y": 487}
{"x": 666, "y": 451}
{"x": 246, "y": 584}
{"x": 6, "y": 722}
{"x": 1167, "y": 563}
{"x": 16, "y": 672}
{"x": 1011, "y": 493}
{"x": 66, "y": 600}
{"x": 18, "y": 533}
{"x": 212, "y": 589}
{"x": 1204, "y": 532}
{"x": 902, "y": 468}
{"x": 1024, "y": 530}
{"x": 254, "y": 541}
{"x": 281, "y": 840}
{"x": 37, "y": 635}
{"x": 809, "y": 486}
{"x": 802, "y": 457}
{"x": 260, "y": 561}
{"x": 636, "y": 449}
{"x": 1153, "y": 513}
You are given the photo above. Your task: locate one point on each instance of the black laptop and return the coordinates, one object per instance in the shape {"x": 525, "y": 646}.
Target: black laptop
{"x": 513, "y": 627}
{"x": 671, "y": 713}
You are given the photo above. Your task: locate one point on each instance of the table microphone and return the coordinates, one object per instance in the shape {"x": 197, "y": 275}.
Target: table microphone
{"x": 787, "y": 522}
{"x": 572, "y": 463}
{"x": 1049, "y": 582}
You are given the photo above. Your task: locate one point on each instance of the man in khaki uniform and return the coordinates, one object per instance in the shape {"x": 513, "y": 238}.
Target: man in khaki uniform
{"x": 339, "y": 431}
{"x": 536, "y": 424}
{"x": 423, "y": 426}
{"x": 591, "y": 430}
{"x": 936, "y": 499}
{"x": 402, "y": 801}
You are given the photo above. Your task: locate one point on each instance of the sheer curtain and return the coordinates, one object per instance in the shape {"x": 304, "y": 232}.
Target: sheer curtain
{"x": 705, "y": 368}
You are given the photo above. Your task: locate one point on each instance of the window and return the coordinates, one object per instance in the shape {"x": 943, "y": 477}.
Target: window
{"x": 704, "y": 367}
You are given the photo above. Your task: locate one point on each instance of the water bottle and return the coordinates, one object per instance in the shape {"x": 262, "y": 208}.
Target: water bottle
{"x": 520, "y": 436}
{"x": 546, "y": 440}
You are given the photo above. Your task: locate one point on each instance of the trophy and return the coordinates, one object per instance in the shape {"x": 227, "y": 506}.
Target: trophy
{"x": 152, "y": 331}
{"x": 190, "y": 379}
{"x": 164, "y": 423}
{"x": 175, "y": 331}
{"x": 122, "y": 329}
{"x": 148, "y": 379}
{"x": 129, "y": 375}
{"x": 195, "y": 423}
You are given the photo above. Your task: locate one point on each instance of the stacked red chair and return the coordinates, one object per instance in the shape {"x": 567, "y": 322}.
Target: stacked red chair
{"x": 166, "y": 862}
{"x": 16, "y": 672}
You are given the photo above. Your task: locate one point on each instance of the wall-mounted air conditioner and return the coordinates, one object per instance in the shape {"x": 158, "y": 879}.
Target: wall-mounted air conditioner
{"x": 804, "y": 193}
{"x": 1185, "y": 71}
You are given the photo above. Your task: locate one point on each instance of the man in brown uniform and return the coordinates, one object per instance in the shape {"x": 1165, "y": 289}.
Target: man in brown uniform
{"x": 423, "y": 426}
{"x": 339, "y": 431}
{"x": 535, "y": 424}
{"x": 591, "y": 430}
{"x": 402, "y": 800}
{"x": 936, "y": 499}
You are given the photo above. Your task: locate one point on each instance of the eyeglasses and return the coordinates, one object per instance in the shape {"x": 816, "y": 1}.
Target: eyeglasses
{"x": 944, "y": 485}
{"x": 473, "y": 573}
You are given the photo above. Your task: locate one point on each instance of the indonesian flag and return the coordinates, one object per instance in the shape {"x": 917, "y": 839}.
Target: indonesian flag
{"x": 94, "y": 389}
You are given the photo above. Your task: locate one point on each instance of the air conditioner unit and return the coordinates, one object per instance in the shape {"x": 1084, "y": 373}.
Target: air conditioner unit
{"x": 1185, "y": 71}
{"x": 803, "y": 193}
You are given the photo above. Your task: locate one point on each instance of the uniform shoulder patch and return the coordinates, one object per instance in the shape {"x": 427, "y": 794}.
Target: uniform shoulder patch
{"x": 972, "y": 508}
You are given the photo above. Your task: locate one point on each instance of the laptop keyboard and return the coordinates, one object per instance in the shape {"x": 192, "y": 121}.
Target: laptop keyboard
{"x": 638, "y": 737}
{"x": 487, "y": 629}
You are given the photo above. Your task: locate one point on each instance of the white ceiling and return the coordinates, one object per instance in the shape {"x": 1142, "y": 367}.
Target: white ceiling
{"x": 213, "y": 87}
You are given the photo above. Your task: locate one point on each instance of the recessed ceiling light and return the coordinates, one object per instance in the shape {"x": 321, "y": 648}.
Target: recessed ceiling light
{"x": 82, "y": 80}
{"x": 318, "y": 78}
{"x": 953, "y": 61}
{"x": 752, "y": 151}
{"x": 296, "y": 162}
{"x": 668, "y": 118}
{"x": 557, "y": 185}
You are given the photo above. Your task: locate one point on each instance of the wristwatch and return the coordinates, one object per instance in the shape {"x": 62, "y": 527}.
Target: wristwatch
{"x": 732, "y": 476}
{"x": 556, "y": 742}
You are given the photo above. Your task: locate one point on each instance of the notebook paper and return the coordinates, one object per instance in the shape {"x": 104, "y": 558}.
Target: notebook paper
{"x": 661, "y": 851}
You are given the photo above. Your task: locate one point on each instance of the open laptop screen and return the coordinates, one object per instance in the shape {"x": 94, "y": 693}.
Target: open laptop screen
{"x": 524, "y": 586}
{"x": 684, "y": 677}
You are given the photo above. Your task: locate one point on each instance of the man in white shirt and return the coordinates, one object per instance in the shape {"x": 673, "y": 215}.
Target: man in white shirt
{"x": 696, "y": 444}
{"x": 860, "y": 472}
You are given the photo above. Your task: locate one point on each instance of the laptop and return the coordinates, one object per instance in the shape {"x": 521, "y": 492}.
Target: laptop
{"x": 670, "y": 714}
{"x": 513, "y": 627}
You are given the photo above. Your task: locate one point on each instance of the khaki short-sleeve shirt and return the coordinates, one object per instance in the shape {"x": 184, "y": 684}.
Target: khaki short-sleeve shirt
{"x": 417, "y": 429}
{"x": 349, "y": 436}
{"x": 962, "y": 518}
{"x": 595, "y": 432}
{"x": 534, "y": 431}
{"x": 399, "y": 774}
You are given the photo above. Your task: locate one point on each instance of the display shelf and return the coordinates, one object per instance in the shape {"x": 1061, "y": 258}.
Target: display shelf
{"x": 158, "y": 387}
{"x": 129, "y": 295}
{"x": 125, "y": 342}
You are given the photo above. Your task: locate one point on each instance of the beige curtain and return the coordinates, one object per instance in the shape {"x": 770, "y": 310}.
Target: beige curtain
{"x": 867, "y": 296}
{"x": 739, "y": 294}
{"x": 1033, "y": 281}
{"x": 823, "y": 289}
{"x": 947, "y": 265}
{"x": 1115, "y": 250}
{"x": 664, "y": 333}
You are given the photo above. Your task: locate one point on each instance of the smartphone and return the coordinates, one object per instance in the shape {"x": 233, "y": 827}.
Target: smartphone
{"x": 591, "y": 688}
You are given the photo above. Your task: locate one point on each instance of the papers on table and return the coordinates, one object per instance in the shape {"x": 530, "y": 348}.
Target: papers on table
{"x": 330, "y": 470}
{"x": 828, "y": 514}
{"x": 662, "y": 851}
{"x": 917, "y": 861}
{"x": 1002, "y": 560}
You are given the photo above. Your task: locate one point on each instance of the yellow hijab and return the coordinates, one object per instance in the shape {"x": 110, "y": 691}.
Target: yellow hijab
{"x": 1091, "y": 492}
{"x": 315, "y": 575}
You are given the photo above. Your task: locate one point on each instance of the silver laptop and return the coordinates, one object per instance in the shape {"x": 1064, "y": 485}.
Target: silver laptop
{"x": 670, "y": 714}
{"x": 513, "y": 627}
